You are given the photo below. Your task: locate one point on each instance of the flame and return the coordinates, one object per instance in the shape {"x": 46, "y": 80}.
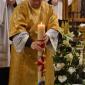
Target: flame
{"x": 41, "y": 23}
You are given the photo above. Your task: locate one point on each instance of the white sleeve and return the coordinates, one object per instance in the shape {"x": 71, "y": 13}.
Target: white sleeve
{"x": 53, "y": 35}
{"x": 20, "y": 40}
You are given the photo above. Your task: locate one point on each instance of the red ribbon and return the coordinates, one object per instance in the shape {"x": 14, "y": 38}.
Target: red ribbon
{"x": 40, "y": 62}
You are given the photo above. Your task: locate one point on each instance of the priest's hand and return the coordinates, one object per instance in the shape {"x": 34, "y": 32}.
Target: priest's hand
{"x": 38, "y": 45}
{"x": 46, "y": 39}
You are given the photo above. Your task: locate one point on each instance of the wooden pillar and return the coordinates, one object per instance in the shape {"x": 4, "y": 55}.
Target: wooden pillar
{"x": 65, "y": 9}
{"x": 76, "y": 8}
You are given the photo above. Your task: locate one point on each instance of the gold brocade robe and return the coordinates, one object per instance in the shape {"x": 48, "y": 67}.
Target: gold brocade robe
{"x": 23, "y": 70}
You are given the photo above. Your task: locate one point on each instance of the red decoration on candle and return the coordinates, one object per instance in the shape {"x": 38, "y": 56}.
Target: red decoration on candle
{"x": 40, "y": 62}
{"x": 41, "y": 58}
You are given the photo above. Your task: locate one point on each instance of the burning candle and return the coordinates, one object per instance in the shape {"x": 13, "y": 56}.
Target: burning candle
{"x": 41, "y": 31}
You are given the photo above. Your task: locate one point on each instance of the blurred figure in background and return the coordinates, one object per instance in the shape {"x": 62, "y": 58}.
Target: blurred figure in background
{"x": 58, "y": 8}
{"x": 6, "y": 8}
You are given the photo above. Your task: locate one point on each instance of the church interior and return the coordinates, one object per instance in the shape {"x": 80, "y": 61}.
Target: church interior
{"x": 69, "y": 59}
{"x": 70, "y": 70}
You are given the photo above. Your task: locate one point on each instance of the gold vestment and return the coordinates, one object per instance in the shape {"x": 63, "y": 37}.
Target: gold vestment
{"x": 23, "y": 70}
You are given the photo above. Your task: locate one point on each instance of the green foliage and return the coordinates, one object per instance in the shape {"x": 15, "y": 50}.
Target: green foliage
{"x": 66, "y": 62}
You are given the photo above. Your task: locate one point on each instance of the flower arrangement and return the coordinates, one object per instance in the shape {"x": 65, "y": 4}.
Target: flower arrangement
{"x": 68, "y": 71}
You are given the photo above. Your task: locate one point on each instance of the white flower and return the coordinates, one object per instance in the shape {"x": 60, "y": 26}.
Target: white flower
{"x": 66, "y": 42}
{"x": 71, "y": 70}
{"x": 77, "y": 54}
{"x": 58, "y": 66}
{"x": 69, "y": 36}
{"x": 61, "y": 30}
{"x": 80, "y": 33}
{"x": 84, "y": 70}
{"x": 69, "y": 57}
{"x": 62, "y": 78}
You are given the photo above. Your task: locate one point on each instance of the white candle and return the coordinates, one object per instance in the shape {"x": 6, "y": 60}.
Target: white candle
{"x": 41, "y": 31}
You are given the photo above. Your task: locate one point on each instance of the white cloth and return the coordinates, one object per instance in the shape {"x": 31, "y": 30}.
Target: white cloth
{"x": 20, "y": 40}
{"x": 53, "y": 35}
{"x": 4, "y": 62}
{"x": 5, "y": 13}
{"x": 2, "y": 7}
{"x": 70, "y": 2}
{"x": 58, "y": 9}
